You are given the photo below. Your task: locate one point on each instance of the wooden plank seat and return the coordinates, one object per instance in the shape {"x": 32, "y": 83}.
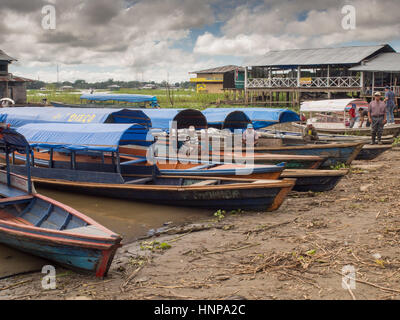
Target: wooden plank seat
{"x": 88, "y": 231}
{"x": 15, "y": 200}
{"x": 204, "y": 183}
{"x": 139, "y": 181}
{"x": 8, "y": 217}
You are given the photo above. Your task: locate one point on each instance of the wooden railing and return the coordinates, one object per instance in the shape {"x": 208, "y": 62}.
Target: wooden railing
{"x": 318, "y": 82}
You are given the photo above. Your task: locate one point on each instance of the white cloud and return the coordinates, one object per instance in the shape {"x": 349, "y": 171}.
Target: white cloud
{"x": 131, "y": 37}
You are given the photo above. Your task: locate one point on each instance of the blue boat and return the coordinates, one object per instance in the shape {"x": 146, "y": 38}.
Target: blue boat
{"x": 43, "y": 227}
{"x": 105, "y": 100}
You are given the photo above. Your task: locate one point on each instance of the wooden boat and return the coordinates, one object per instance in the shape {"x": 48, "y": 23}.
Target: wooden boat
{"x": 138, "y": 166}
{"x": 291, "y": 137}
{"x": 102, "y": 100}
{"x": 216, "y": 193}
{"x": 368, "y": 152}
{"x": 393, "y": 130}
{"x": 210, "y": 192}
{"x": 335, "y": 153}
{"x": 41, "y": 226}
{"x": 331, "y": 117}
{"x": 291, "y": 161}
{"x": 315, "y": 180}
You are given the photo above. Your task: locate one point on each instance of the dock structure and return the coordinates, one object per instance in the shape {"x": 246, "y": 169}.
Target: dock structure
{"x": 289, "y": 77}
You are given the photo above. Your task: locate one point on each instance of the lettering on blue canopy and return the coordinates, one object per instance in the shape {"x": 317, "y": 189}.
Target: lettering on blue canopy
{"x": 18, "y": 117}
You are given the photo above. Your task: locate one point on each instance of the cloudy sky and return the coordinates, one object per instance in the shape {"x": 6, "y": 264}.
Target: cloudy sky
{"x": 165, "y": 39}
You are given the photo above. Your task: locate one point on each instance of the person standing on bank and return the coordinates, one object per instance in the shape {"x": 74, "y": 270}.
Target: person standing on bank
{"x": 390, "y": 105}
{"x": 377, "y": 117}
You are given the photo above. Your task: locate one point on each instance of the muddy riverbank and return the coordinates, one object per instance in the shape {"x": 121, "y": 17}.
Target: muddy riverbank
{"x": 297, "y": 252}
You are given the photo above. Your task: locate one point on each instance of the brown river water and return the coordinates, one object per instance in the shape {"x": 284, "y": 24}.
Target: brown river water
{"x": 130, "y": 219}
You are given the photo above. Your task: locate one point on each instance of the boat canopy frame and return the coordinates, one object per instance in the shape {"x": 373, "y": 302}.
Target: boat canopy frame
{"x": 11, "y": 142}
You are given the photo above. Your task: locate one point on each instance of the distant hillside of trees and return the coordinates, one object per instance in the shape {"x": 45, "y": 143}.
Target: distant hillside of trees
{"x": 82, "y": 84}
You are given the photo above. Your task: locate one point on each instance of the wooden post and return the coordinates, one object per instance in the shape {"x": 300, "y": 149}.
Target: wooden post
{"x": 373, "y": 83}
{"x": 8, "y": 166}
{"x": 362, "y": 82}
{"x": 73, "y": 160}
{"x": 298, "y": 76}
{"x": 28, "y": 169}
{"x": 118, "y": 163}
{"x": 246, "y": 97}
{"x": 51, "y": 163}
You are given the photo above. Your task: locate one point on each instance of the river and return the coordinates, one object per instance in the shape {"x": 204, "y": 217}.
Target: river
{"x": 129, "y": 219}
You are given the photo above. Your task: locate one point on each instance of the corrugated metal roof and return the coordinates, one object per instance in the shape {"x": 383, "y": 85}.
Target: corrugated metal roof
{"x": 220, "y": 69}
{"x": 11, "y": 78}
{"x": 4, "y": 56}
{"x": 388, "y": 62}
{"x": 323, "y": 56}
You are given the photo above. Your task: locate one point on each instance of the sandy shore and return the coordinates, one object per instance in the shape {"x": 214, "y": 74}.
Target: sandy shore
{"x": 297, "y": 252}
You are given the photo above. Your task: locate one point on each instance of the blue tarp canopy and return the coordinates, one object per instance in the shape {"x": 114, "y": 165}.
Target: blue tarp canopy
{"x": 163, "y": 118}
{"x": 85, "y": 137}
{"x": 133, "y": 98}
{"x": 18, "y": 117}
{"x": 238, "y": 118}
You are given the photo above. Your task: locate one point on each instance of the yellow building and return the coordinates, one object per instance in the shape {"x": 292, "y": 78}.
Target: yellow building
{"x": 216, "y": 80}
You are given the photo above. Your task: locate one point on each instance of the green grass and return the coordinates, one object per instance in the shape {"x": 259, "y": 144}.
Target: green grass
{"x": 181, "y": 98}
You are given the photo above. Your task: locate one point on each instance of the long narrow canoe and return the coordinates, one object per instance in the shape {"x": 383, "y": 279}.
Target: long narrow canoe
{"x": 387, "y": 130}
{"x": 205, "y": 192}
{"x": 368, "y": 152}
{"x": 49, "y": 229}
{"x": 335, "y": 152}
{"x": 291, "y": 137}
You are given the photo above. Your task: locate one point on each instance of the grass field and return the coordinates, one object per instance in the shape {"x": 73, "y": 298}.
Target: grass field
{"x": 180, "y": 98}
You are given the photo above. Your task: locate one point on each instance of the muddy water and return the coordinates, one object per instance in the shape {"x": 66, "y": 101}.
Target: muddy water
{"x": 130, "y": 219}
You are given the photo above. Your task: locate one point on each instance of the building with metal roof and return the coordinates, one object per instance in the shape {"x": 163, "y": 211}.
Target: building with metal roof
{"x": 322, "y": 56}
{"x": 320, "y": 73}
{"x": 385, "y": 62}
{"x": 219, "y": 79}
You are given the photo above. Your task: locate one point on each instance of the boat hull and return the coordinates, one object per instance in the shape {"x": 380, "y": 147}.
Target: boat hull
{"x": 372, "y": 152}
{"x": 80, "y": 259}
{"x": 387, "y": 130}
{"x": 334, "y": 153}
{"x": 317, "y": 181}
{"x": 249, "y": 196}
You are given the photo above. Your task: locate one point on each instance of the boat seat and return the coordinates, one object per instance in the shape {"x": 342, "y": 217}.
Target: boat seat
{"x": 259, "y": 181}
{"x": 139, "y": 181}
{"x": 8, "y": 217}
{"x": 88, "y": 231}
{"x": 204, "y": 183}
{"x": 15, "y": 200}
